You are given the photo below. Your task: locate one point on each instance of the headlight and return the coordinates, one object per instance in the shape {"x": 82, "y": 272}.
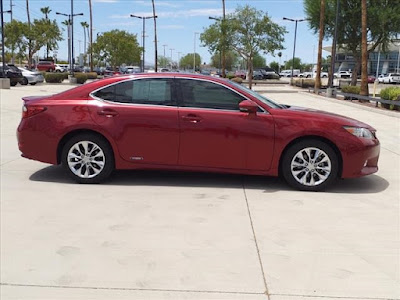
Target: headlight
{"x": 360, "y": 132}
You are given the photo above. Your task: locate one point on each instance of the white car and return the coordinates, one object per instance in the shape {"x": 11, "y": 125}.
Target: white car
{"x": 342, "y": 74}
{"x": 61, "y": 68}
{"x": 390, "y": 78}
{"x": 31, "y": 77}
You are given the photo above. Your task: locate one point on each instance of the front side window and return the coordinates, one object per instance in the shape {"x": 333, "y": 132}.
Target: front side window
{"x": 204, "y": 94}
{"x": 142, "y": 91}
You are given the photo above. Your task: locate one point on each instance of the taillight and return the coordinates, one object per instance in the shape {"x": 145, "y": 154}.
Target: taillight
{"x": 29, "y": 111}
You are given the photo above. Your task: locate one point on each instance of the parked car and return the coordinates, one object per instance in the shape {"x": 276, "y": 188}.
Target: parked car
{"x": 391, "y": 78}
{"x": 13, "y": 73}
{"x": 342, "y": 74}
{"x": 31, "y": 77}
{"x": 371, "y": 78}
{"x": 203, "y": 123}
{"x": 60, "y": 68}
{"x": 46, "y": 66}
{"x": 380, "y": 78}
{"x": 257, "y": 75}
{"x": 241, "y": 74}
{"x": 288, "y": 73}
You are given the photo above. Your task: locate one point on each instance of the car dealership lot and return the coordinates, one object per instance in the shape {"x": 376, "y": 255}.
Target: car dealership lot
{"x": 167, "y": 235}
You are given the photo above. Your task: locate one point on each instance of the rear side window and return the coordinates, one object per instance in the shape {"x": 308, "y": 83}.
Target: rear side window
{"x": 204, "y": 94}
{"x": 141, "y": 91}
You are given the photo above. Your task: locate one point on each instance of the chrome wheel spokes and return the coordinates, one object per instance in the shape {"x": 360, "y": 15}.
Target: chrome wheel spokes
{"x": 86, "y": 159}
{"x": 311, "y": 166}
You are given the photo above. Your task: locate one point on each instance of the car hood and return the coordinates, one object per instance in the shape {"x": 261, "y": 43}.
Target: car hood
{"x": 314, "y": 114}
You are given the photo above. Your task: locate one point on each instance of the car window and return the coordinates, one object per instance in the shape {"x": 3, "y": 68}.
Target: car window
{"x": 197, "y": 93}
{"x": 142, "y": 91}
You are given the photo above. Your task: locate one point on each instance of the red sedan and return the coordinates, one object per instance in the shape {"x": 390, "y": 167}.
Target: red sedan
{"x": 194, "y": 123}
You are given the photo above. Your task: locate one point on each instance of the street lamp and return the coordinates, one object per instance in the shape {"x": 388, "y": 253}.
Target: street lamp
{"x": 295, "y": 33}
{"x": 144, "y": 33}
{"x": 222, "y": 50}
{"x": 71, "y": 44}
{"x": 194, "y": 52}
{"x": 171, "y": 49}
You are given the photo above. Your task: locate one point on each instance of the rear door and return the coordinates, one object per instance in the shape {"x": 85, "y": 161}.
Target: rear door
{"x": 142, "y": 117}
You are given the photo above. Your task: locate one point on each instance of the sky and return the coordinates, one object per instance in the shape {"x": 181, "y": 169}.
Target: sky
{"x": 177, "y": 23}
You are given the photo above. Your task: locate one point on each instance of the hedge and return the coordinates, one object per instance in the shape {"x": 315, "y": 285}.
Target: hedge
{"x": 351, "y": 89}
{"x": 391, "y": 93}
{"x": 91, "y": 75}
{"x": 81, "y": 77}
{"x": 237, "y": 80}
{"x": 54, "y": 77}
{"x": 304, "y": 83}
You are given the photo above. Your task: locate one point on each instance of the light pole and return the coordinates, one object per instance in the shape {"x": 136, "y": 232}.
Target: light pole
{"x": 222, "y": 46}
{"x": 194, "y": 52}
{"x": 144, "y": 33}
{"x": 295, "y": 33}
{"x": 71, "y": 22}
{"x": 2, "y": 38}
{"x": 179, "y": 59}
{"x": 171, "y": 49}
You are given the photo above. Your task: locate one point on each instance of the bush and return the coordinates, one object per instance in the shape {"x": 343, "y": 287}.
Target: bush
{"x": 393, "y": 94}
{"x": 91, "y": 75}
{"x": 54, "y": 77}
{"x": 237, "y": 80}
{"x": 80, "y": 77}
{"x": 351, "y": 89}
{"x": 304, "y": 83}
{"x": 230, "y": 76}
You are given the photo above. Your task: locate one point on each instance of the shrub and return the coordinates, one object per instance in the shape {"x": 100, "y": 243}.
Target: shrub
{"x": 91, "y": 75}
{"x": 304, "y": 83}
{"x": 237, "y": 80}
{"x": 54, "y": 77}
{"x": 80, "y": 77}
{"x": 65, "y": 75}
{"x": 351, "y": 89}
{"x": 230, "y": 76}
{"x": 391, "y": 93}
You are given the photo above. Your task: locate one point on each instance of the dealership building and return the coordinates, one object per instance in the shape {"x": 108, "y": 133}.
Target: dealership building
{"x": 383, "y": 62}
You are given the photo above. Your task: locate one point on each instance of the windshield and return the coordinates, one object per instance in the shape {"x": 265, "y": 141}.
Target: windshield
{"x": 267, "y": 101}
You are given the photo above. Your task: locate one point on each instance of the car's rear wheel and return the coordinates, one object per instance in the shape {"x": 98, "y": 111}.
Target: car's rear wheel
{"x": 88, "y": 158}
{"x": 310, "y": 165}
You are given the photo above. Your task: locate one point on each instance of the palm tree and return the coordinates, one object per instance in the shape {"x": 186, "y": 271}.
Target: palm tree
{"x": 364, "y": 50}
{"x": 155, "y": 35}
{"x": 91, "y": 36}
{"x": 85, "y": 25}
{"x": 321, "y": 37}
{"x": 46, "y": 11}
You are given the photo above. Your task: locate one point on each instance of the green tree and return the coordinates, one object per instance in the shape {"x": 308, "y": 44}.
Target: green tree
{"x": 186, "y": 62}
{"x": 42, "y": 32}
{"x": 117, "y": 47}
{"x": 297, "y": 64}
{"x": 231, "y": 59}
{"x": 164, "y": 62}
{"x": 259, "y": 61}
{"x": 248, "y": 31}
{"x": 275, "y": 66}
{"x": 14, "y": 36}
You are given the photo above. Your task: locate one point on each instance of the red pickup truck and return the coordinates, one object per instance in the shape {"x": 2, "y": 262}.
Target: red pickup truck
{"x": 47, "y": 66}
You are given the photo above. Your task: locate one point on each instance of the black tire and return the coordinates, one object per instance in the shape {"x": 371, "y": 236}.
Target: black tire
{"x": 33, "y": 83}
{"x": 107, "y": 155}
{"x": 24, "y": 81}
{"x": 13, "y": 83}
{"x": 320, "y": 174}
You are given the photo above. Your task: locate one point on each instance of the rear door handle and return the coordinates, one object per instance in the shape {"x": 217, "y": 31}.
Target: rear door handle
{"x": 192, "y": 118}
{"x": 107, "y": 113}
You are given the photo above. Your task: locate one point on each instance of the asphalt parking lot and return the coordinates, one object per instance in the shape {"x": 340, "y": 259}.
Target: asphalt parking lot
{"x": 170, "y": 235}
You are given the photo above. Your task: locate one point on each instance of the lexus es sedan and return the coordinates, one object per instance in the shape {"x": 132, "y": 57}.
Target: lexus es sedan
{"x": 191, "y": 122}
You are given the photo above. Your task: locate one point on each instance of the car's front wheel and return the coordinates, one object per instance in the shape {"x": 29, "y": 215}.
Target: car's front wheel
{"x": 310, "y": 165}
{"x": 88, "y": 158}
{"x": 24, "y": 81}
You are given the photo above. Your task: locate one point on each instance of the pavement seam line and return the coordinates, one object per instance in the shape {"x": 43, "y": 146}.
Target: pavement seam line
{"x": 125, "y": 289}
{"x": 334, "y": 297}
{"x": 256, "y": 243}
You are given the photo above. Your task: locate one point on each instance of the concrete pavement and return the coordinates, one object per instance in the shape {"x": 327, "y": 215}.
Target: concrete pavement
{"x": 167, "y": 235}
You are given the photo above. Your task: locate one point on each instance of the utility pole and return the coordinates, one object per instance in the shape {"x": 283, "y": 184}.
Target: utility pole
{"x": 155, "y": 39}
{"x": 223, "y": 39}
{"x": 194, "y": 53}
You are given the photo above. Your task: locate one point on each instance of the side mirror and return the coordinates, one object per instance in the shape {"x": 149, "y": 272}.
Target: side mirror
{"x": 248, "y": 106}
